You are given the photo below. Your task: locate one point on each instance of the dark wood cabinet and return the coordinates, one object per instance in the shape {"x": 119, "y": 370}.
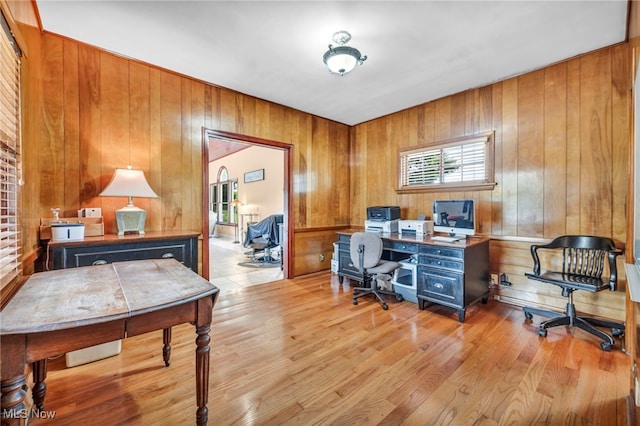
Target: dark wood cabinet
{"x": 450, "y": 274}
{"x": 182, "y": 246}
{"x": 454, "y": 276}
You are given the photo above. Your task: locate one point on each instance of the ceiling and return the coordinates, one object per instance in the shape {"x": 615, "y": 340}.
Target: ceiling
{"x": 417, "y": 51}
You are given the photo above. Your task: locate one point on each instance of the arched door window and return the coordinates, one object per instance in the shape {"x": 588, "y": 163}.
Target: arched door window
{"x": 223, "y": 194}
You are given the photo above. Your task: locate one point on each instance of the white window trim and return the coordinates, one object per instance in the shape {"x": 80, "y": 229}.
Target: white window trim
{"x": 486, "y": 182}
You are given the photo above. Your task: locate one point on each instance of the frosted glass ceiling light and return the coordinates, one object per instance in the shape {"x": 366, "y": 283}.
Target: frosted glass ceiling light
{"x": 342, "y": 59}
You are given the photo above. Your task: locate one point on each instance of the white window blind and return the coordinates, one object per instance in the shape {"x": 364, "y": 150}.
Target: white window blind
{"x": 462, "y": 162}
{"x": 10, "y": 161}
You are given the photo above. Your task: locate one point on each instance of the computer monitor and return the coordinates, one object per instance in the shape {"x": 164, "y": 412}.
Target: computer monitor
{"x": 455, "y": 217}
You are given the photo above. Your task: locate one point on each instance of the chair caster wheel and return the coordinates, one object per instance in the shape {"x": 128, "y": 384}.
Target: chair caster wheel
{"x": 528, "y": 315}
{"x": 385, "y": 307}
{"x": 606, "y": 346}
{"x": 617, "y": 332}
{"x": 355, "y": 301}
{"x": 399, "y": 298}
{"x": 542, "y": 332}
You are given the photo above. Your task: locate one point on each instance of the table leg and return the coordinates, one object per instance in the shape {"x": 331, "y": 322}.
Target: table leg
{"x": 166, "y": 348}
{"x": 39, "y": 390}
{"x": 202, "y": 373}
{"x": 12, "y": 401}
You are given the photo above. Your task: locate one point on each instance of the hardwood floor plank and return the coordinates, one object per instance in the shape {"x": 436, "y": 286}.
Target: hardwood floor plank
{"x": 298, "y": 352}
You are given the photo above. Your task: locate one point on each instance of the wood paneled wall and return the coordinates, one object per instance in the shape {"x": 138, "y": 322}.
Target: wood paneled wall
{"x": 634, "y": 19}
{"x": 561, "y": 159}
{"x": 91, "y": 111}
{"x": 562, "y": 149}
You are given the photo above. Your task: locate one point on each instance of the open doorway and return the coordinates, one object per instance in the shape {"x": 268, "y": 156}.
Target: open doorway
{"x": 246, "y": 184}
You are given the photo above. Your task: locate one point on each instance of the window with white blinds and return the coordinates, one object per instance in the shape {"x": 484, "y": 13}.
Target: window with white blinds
{"x": 10, "y": 165}
{"x": 455, "y": 164}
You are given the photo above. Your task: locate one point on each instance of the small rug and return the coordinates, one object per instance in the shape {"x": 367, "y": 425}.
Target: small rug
{"x": 258, "y": 264}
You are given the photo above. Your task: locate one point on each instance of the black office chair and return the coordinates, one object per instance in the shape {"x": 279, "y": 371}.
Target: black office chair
{"x": 366, "y": 252}
{"x": 264, "y": 236}
{"x": 583, "y": 262}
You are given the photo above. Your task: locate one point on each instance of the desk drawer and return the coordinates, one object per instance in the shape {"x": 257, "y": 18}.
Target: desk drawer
{"x": 440, "y": 285}
{"x": 400, "y": 246}
{"x": 77, "y": 256}
{"x": 346, "y": 266}
{"x": 344, "y": 239}
{"x": 442, "y": 252}
{"x": 440, "y": 262}
{"x": 99, "y": 257}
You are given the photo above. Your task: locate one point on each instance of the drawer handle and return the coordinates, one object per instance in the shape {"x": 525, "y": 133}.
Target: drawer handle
{"x": 439, "y": 262}
{"x": 99, "y": 262}
{"x": 168, "y": 256}
{"x": 439, "y": 286}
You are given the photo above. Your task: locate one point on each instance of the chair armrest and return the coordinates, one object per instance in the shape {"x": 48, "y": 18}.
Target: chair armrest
{"x": 613, "y": 268}
{"x": 534, "y": 253}
{"x": 361, "y": 258}
{"x": 536, "y": 259}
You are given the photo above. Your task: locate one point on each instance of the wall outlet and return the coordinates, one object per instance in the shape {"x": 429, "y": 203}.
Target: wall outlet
{"x": 494, "y": 279}
{"x": 321, "y": 257}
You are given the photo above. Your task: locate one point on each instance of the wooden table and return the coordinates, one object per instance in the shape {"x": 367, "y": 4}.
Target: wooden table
{"x": 60, "y": 311}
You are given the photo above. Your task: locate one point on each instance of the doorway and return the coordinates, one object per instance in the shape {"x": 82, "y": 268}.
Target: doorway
{"x": 224, "y": 242}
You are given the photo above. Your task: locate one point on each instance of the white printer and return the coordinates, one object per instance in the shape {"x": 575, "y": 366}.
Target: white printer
{"x": 384, "y": 226}
{"x": 416, "y": 227}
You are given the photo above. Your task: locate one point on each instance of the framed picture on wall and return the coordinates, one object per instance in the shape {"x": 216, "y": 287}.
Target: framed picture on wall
{"x": 254, "y": 176}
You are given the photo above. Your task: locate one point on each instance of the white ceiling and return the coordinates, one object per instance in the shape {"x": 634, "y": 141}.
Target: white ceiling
{"x": 417, "y": 51}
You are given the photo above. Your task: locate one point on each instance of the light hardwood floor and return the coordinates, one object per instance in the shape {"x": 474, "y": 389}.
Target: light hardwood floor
{"x": 298, "y": 352}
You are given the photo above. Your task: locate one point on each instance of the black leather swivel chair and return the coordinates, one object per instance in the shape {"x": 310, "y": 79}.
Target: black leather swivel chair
{"x": 583, "y": 261}
{"x": 366, "y": 252}
{"x": 263, "y": 236}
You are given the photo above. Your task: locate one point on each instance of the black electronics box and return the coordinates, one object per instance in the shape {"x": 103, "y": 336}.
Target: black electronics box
{"x": 383, "y": 213}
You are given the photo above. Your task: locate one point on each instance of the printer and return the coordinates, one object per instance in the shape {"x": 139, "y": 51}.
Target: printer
{"x": 384, "y": 226}
{"x": 415, "y": 227}
{"x": 383, "y": 213}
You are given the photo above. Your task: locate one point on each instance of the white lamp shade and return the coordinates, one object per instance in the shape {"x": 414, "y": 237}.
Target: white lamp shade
{"x": 128, "y": 183}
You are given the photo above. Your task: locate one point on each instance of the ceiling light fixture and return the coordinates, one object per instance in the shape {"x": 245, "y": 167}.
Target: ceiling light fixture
{"x": 342, "y": 59}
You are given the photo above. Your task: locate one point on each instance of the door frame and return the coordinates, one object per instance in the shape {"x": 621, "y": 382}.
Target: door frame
{"x": 207, "y": 135}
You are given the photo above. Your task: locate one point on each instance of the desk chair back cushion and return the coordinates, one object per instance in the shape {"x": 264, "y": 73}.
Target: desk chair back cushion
{"x": 372, "y": 246}
{"x": 583, "y": 262}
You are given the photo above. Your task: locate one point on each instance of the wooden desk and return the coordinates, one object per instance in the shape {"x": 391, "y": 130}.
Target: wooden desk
{"x": 60, "y": 311}
{"x": 449, "y": 274}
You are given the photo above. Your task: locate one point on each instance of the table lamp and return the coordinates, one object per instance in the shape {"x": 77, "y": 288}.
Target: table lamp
{"x": 129, "y": 183}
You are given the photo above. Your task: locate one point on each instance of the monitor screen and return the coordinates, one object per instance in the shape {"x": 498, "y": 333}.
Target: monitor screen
{"x": 455, "y": 217}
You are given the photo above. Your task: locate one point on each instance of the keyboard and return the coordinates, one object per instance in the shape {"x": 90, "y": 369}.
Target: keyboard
{"x": 445, "y": 239}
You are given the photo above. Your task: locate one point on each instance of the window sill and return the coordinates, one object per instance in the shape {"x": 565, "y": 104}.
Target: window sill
{"x": 485, "y": 186}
